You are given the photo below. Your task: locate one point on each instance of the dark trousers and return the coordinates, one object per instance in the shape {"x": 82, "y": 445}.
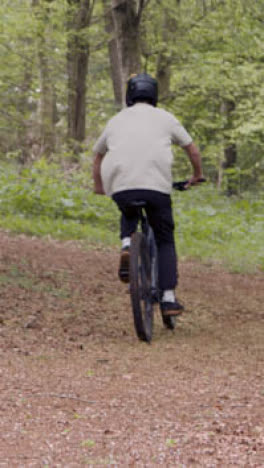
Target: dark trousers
{"x": 159, "y": 213}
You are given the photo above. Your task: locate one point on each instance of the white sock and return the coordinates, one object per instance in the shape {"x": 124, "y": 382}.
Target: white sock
{"x": 168, "y": 296}
{"x": 126, "y": 241}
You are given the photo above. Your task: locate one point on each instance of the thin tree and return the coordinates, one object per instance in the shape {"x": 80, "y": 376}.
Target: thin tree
{"x": 123, "y": 24}
{"x": 230, "y": 148}
{"x": 79, "y": 17}
{"x": 47, "y": 95}
{"x": 165, "y": 55}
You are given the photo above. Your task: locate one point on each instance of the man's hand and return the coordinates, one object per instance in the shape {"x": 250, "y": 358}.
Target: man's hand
{"x": 194, "y": 181}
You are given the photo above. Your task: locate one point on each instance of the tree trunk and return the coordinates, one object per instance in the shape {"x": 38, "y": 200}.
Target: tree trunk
{"x": 163, "y": 75}
{"x": 24, "y": 139}
{"x": 230, "y": 153}
{"x": 125, "y": 47}
{"x": 230, "y": 150}
{"x": 79, "y": 15}
{"x": 163, "y": 72}
{"x": 113, "y": 52}
{"x": 47, "y": 96}
{"x": 47, "y": 102}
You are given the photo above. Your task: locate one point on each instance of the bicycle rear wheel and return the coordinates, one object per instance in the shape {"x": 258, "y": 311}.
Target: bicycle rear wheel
{"x": 140, "y": 287}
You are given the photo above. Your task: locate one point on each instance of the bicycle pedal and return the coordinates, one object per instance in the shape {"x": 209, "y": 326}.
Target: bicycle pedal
{"x": 123, "y": 276}
{"x": 123, "y": 271}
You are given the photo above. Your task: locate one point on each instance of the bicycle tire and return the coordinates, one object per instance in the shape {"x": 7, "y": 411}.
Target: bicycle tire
{"x": 140, "y": 287}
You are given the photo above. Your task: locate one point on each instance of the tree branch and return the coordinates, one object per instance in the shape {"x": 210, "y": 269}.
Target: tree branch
{"x": 91, "y": 9}
{"x": 142, "y": 5}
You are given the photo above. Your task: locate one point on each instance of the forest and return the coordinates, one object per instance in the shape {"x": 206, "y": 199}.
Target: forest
{"x": 64, "y": 68}
{"x": 77, "y": 386}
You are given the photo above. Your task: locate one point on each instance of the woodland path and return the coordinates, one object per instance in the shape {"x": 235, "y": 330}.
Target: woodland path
{"x": 78, "y": 389}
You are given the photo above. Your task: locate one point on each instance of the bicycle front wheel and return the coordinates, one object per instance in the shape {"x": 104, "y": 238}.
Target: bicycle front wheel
{"x": 140, "y": 287}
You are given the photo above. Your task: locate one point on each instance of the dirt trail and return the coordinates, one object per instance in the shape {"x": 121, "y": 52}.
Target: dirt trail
{"x": 78, "y": 389}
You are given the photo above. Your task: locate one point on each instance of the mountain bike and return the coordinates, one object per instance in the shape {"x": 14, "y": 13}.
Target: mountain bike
{"x": 143, "y": 273}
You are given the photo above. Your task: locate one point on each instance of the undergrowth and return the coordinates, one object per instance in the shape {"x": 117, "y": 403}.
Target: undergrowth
{"x": 44, "y": 200}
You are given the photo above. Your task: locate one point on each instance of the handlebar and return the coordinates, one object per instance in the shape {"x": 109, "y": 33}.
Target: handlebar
{"x": 182, "y": 185}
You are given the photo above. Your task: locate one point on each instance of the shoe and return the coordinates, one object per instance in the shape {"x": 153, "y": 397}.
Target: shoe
{"x": 123, "y": 271}
{"x": 171, "y": 308}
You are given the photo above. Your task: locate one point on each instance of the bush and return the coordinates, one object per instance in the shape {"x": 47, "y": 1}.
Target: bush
{"x": 44, "y": 200}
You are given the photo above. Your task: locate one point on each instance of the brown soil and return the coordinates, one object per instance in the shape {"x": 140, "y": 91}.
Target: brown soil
{"x": 78, "y": 389}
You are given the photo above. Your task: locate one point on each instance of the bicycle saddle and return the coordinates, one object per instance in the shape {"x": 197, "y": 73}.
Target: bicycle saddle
{"x": 137, "y": 204}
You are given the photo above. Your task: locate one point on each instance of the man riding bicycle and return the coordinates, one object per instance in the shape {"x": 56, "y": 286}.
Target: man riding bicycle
{"x": 133, "y": 160}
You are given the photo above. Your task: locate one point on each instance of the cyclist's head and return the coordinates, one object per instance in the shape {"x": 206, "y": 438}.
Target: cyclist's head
{"x": 142, "y": 88}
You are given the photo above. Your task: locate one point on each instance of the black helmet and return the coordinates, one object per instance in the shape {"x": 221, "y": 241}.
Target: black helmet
{"x": 142, "y": 87}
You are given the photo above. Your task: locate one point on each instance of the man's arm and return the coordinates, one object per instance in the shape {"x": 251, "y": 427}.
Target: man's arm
{"x": 196, "y": 162}
{"x": 98, "y": 184}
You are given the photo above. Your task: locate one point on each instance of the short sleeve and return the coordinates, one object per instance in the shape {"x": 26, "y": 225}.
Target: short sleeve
{"x": 179, "y": 135}
{"x": 101, "y": 144}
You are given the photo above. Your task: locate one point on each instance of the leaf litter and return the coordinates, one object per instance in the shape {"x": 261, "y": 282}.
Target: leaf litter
{"x": 78, "y": 388}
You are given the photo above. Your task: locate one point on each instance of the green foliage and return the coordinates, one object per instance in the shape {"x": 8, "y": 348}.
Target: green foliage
{"x": 43, "y": 190}
{"x": 21, "y": 26}
{"x": 212, "y": 226}
{"x": 43, "y": 201}
{"x": 215, "y": 51}
{"x": 217, "y": 55}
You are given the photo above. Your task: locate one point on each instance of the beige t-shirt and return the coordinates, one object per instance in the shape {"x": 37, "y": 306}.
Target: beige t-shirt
{"x": 137, "y": 147}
